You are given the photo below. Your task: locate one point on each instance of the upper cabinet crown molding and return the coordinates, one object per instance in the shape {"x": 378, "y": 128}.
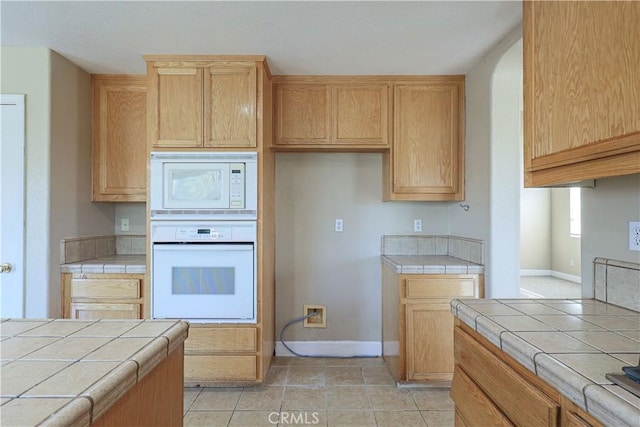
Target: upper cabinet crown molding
{"x": 119, "y": 171}
{"x": 581, "y": 90}
{"x": 204, "y": 101}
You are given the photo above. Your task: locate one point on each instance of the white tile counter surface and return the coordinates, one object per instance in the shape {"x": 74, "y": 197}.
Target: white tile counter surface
{"x": 69, "y": 372}
{"x": 133, "y": 264}
{"x": 431, "y": 264}
{"x": 570, "y": 344}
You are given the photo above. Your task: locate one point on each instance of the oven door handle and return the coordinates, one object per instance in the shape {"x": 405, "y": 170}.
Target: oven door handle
{"x": 201, "y": 247}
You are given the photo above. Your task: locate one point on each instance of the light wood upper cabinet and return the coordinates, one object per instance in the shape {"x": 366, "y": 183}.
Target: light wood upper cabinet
{"x": 119, "y": 170}
{"x": 179, "y": 107}
{"x": 581, "y": 90}
{"x": 203, "y": 102}
{"x": 361, "y": 114}
{"x": 427, "y": 156}
{"x": 331, "y": 113}
{"x": 231, "y": 106}
{"x": 302, "y": 114}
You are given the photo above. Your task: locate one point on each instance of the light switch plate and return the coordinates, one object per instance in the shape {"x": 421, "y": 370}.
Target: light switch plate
{"x": 634, "y": 235}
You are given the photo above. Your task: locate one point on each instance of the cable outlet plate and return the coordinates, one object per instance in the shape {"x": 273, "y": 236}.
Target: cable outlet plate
{"x": 319, "y": 321}
{"x": 634, "y": 235}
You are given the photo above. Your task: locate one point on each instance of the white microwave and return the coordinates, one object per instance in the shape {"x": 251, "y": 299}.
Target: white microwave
{"x": 203, "y": 185}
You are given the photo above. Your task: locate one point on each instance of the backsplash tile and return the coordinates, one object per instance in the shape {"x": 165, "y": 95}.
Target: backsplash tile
{"x": 617, "y": 282}
{"x": 471, "y": 250}
{"x": 426, "y": 245}
{"x": 77, "y": 249}
{"x": 73, "y": 251}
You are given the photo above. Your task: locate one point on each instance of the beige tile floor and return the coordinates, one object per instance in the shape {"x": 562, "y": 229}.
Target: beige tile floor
{"x": 320, "y": 392}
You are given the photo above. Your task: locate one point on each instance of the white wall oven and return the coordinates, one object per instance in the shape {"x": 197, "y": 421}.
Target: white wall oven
{"x": 204, "y": 270}
{"x": 203, "y": 185}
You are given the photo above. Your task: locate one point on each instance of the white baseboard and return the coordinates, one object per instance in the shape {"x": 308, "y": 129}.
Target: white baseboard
{"x": 552, "y": 273}
{"x": 331, "y": 348}
{"x": 565, "y": 276}
{"x": 535, "y": 272}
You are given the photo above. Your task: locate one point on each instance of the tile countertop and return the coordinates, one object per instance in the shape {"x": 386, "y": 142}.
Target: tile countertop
{"x": 431, "y": 264}
{"x": 133, "y": 264}
{"x": 570, "y": 344}
{"x": 69, "y": 372}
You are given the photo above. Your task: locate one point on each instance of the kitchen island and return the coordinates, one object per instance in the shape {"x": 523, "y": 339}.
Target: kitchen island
{"x": 543, "y": 360}
{"x": 98, "y": 372}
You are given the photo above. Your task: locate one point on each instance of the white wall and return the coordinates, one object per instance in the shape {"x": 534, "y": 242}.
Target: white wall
{"x": 72, "y": 213}
{"x": 535, "y": 229}
{"x": 58, "y": 116}
{"x": 315, "y": 264}
{"x": 565, "y": 249}
{"x": 26, "y": 70}
{"x": 606, "y": 212}
{"x": 136, "y": 213}
{"x": 476, "y": 223}
{"x": 506, "y": 173}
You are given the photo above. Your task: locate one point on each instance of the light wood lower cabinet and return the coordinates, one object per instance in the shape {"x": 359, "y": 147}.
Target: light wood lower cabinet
{"x": 417, "y": 324}
{"x": 490, "y": 388}
{"x": 217, "y": 354}
{"x": 103, "y": 296}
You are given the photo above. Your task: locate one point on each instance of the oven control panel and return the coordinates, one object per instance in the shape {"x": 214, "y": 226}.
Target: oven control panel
{"x": 206, "y": 231}
{"x": 196, "y": 233}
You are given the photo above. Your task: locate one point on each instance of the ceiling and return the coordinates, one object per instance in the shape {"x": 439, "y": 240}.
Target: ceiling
{"x": 298, "y": 37}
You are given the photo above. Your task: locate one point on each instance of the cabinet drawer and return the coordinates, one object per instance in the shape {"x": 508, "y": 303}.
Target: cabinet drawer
{"x": 199, "y": 368}
{"x": 472, "y": 405}
{"x": 105, "y": 288}
{"x": 210, "y": 340}
{"x": 503, "y": 385}
{"x": 84, "y": 311}
{"x": 441, "y": 286}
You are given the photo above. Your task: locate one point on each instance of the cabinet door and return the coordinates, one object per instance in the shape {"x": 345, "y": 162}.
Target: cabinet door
{"x": 427, "y": 158}
{"x": 361, "y": 114}
{"x": 179, "y": 107}
{"x": 231, "y": 99}
{"x": 303, "y": 114}
{"x": 582, "y": 90}
{"x": 90, "y": 310}
{"x": 429, "y": 343}
{"x": 119, "y": 169}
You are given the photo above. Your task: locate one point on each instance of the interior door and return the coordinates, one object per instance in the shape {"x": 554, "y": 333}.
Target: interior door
{"x": 12, "y": 206}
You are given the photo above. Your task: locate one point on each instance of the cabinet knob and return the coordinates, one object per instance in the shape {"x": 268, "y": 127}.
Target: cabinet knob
{"x": 5, "y": 268}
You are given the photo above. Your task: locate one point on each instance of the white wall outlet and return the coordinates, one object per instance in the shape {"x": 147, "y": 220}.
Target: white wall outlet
{"x": 339, "y": 225}
{"x": 124, "y": 224}
{"x": 417, "y": 225}
{"x": 634, "y": 235}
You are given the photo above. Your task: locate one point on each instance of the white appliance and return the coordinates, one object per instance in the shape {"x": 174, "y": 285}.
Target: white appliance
{"x": 203, "y": 186}
{"x": 204, "y": 271}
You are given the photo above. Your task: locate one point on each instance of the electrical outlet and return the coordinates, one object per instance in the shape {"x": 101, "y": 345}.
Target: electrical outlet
{"x": 317, "y": 321}
{"x": 417, "y": 225}
{"x": 634, "y": 235}
{"x": 124, "y": 224}
{"x": 339, "y": 225}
